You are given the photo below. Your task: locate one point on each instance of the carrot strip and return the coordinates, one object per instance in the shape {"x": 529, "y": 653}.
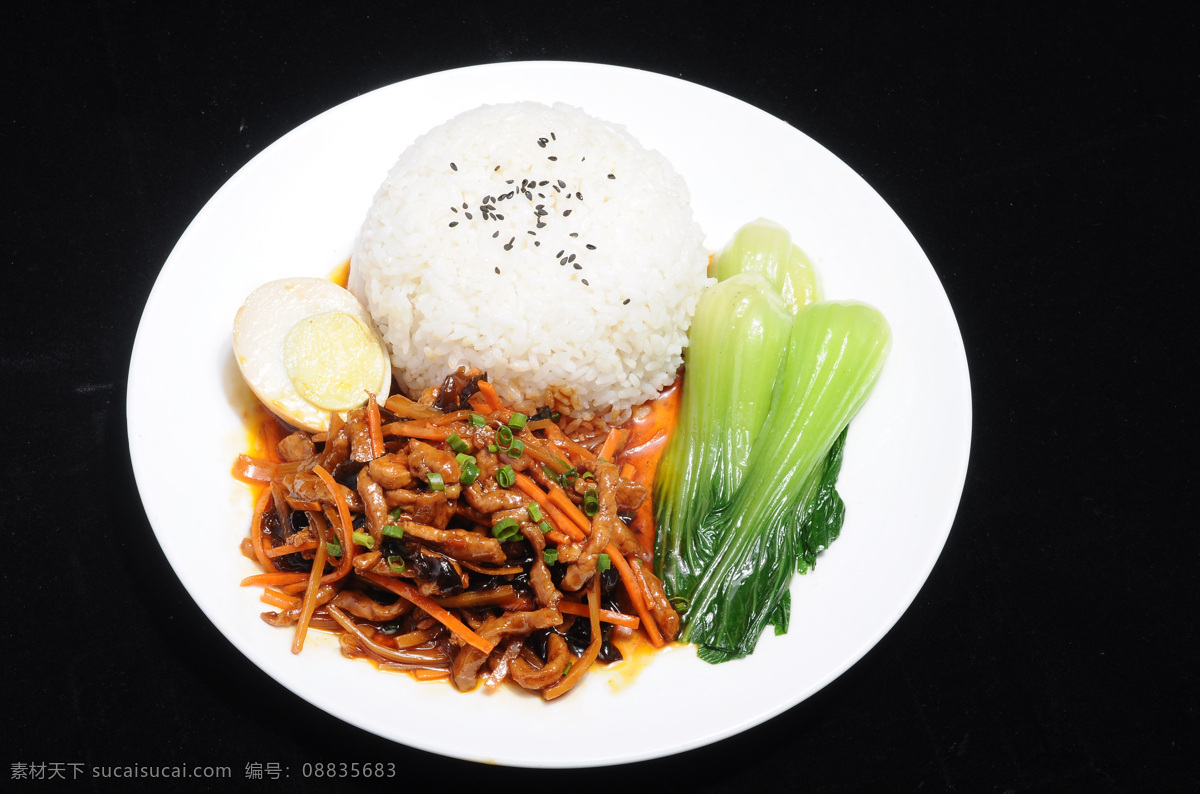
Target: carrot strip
{"x": 274, "y": 578}
{"x": 347, "y": 561}
{"x": 407, "y": 430}
{"x": 616, "y": 439}
{"x": 635, "y": 594}
{"x": 581, "y": 665}
{"x": 531, "y": 489}
{"x": 427, "y": 673}
{"x": 256, "y": 538}
{"x": 557, "y": 537}
{"x": 560, "y": 499}
{"x": 287, "y": 548}
{"x": 407, "y": 591}
{"x": 489, "y": 393}
{"x": 310, "y": 596}
{"x": 295, "y": 587}
{"x": 560, "y": 439}
{"x": 627, "y": 471}
{"x": 279, "y": 594}
{"x": 606, "y": 615}
{"x": 277, "y": 599}
{"x": 375, "y": 425}
{"x": 272, "y": 434}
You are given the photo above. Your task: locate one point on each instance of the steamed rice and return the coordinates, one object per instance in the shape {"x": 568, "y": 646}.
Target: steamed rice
{"x": 541, "y": 245}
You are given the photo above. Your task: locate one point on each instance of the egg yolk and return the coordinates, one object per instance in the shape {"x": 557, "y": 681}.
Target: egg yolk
{"x": 333, "y": 360}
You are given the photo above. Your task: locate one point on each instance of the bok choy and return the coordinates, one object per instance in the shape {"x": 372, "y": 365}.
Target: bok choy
{"x": 735, "y": 348}
{"x": 745, "y": 494}
{"x": 834, "y": 355}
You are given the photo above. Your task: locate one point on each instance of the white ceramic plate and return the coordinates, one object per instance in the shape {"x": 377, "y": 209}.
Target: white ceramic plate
{"x": 295, "y": 209}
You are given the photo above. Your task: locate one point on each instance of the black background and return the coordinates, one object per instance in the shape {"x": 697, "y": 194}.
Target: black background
{"x": 1043, "y": 159}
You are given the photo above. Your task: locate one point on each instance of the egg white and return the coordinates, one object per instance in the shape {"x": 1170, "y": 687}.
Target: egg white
{"x": 260, "y": 331}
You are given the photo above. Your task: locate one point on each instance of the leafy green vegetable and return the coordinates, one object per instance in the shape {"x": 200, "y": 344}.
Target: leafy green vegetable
{"x": 785, "y": 509}
{"x": 763, "y": 246}
{"x": 736, "y": 345}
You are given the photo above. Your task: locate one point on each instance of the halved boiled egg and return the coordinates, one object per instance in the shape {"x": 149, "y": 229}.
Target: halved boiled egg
{"x": 306, "y": 347}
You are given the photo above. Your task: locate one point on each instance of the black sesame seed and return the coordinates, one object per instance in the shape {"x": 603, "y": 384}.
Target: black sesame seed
{"x": 497, "y": 168}
{"x": 574, "y": 234}
{"x": 528, "y": 195}
{"x": 571, "y": 258}
{"x": 557, "y": 189}
{"x": 465, "y": 205}
{"x": 625, "y": 301}
{"x": 562, "y": 183}
{"x": 543, "y": 183}
{"x": 541, "y": 195}
{"x": 531, "y": 231}
{"x": 542, "y": 142}
{"x": 509, "y": 181}
{"x": 578, "y": 195}
{"x": 454, "y": 209}
{"x": 453, "y": 167}
{"x": 577, "y": 266}
{"x": 584, "y": 280}
{"x": 560, "y": 253}
{"x": 562, "y": 261}
{"x": 497, "y": 271}
{"x": 590, "y": 247}
{"x": 469, "y": 215}
{"x": 551, "y": 157}
{"x": 495, "y": 234}
{"x": 612, "y": 176}
{"x": 453, "y": 224}
{"x": 499, "y": 217}
{"x": 536, "y": 243}
{"x": 552, "y": 137}
{"x": 541, "y": 225}
{"x": 566, "y": 213}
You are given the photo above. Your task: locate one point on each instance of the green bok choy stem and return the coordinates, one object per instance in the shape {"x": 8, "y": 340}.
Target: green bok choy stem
{"x": 834, "y": 355}
{"x": 736, "y": 346}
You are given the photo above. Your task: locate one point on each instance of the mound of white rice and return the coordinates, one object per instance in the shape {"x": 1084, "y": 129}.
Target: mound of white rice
{"x": 541, "y": 245}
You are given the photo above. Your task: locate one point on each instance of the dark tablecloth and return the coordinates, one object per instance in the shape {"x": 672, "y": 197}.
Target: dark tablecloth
{"x": 1044, "y": 160}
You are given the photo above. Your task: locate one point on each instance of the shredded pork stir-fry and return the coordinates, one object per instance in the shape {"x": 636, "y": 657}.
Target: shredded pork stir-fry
{"x": 452, "y": 537}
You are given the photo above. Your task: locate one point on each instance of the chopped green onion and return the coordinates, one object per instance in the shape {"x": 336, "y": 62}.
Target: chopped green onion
{"x": 457, "y": 444}
{"x": 567, "y": 669}
{"x": 395, "y": 513}
{"x": 435, "y": 481}
{"x": 505, "y": 476}
{"x": 587, "y": 475}
{"x": 568, "y": 477}
{"x": 604, "y": 563}
{"x": 334, "y": 547}
{"x": 477, "y": 420}
{"x": 504, "y": 437}
{"x": 681, "y": 604}
{"x": 506, "y": 529}
{"x": 535, "y": 512}
{"x": 493, "y": 448}
{"x": 363, "y": 539}
{"x": 591, "y": 502}
{"x": 517, "y": 421}
{"x": 463, "y": 459}
{"x": 396, "y": 563}
{"x": 394, "y": 531}
{"x": 545, "y": 527}
{"x": 550, "y": 556}
{"x": 518, "y": 446}
{"x": 392, "y": 627}
{"x": 470, "y": 472}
